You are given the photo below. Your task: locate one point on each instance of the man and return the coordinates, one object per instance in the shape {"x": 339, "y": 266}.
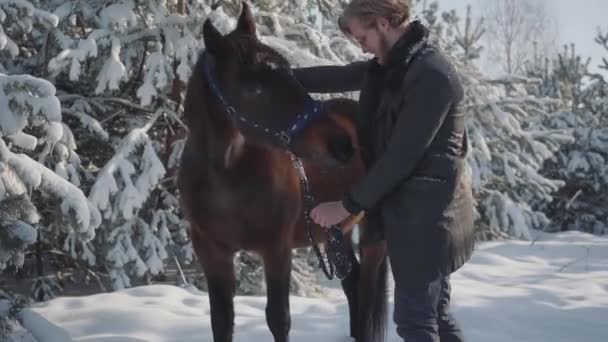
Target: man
{"x": 413, "y": 141}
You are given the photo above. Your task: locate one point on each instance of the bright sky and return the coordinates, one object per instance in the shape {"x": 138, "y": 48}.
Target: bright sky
{"x": 578, "y": 22}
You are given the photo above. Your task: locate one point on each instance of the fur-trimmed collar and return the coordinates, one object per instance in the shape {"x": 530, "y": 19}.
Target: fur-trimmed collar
{"x": 416, "y": 32}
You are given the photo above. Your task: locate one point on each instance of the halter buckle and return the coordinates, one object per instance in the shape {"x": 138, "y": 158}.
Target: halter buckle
{"x": 231, "y": 111}
{"x": 285, "y": 138}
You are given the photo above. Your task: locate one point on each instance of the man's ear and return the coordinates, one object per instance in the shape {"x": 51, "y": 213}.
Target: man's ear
{"x": 212, "y": 38}
{"x": 246, "y": 23}
{"x": 383, "y": 24}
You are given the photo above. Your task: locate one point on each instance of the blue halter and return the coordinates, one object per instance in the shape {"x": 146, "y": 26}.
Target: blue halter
{"x": 313, "y": 109}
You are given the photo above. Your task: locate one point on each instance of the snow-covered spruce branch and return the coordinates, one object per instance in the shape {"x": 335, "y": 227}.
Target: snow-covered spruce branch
{"x": 115, "y": 179}
{"x": 20, "y": 18}
{"x": 124, "y": 33}
{"x": 582, "y": 164}
{"x": 117, "y": 100}
{"x": 516, "y": 218}
{"x": 92, "y": 124}
{"x": 82, "y": 109}
{"x": 133, "y": 247}
{"x": 16, "y": 316}
{"x": 74, "y": 204}
{"x": 18, "y": 219}
{"x": 23, "y": 100}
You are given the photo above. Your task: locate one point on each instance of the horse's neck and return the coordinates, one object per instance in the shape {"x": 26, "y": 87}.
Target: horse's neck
{"x": 211, "y": 131}
{"x": 215, "y": 139}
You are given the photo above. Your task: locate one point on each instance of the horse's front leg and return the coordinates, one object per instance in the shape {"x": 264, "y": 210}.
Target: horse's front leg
{"x": 218, "y": 266}
{"x": 277, "y": 266}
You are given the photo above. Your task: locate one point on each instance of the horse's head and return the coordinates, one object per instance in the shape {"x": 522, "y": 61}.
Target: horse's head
{"x": 254, "y": 84}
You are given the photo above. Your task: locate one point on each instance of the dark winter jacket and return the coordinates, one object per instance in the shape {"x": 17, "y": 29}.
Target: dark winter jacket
{"x": 412, "y": 137}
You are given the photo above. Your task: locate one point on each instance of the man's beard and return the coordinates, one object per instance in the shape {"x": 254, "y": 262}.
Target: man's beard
{"x": 384, "y": 47}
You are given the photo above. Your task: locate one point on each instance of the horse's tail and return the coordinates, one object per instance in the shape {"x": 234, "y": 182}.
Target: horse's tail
{"x": 373, "y": 294}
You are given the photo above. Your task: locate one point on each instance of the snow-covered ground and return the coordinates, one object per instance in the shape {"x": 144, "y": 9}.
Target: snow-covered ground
{"x": 553, "y": 290}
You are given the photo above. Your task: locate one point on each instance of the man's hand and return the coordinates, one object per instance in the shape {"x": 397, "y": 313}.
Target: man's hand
{"x": 329, "y": 213}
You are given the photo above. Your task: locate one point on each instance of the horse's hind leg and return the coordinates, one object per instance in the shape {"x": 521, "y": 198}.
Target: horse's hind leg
{"x": 277, "y": 266}
{"x": 349, "y": 285}
{"x": 218, "y": 266}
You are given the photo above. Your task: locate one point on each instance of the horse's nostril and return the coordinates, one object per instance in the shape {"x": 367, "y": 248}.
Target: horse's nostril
{"x": 341, "y": 148}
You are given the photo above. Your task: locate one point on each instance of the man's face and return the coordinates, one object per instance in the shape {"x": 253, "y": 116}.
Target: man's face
{"x": 371, "y": 39}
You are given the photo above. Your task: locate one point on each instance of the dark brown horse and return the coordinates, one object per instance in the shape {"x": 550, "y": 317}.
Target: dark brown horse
{"x": 240, "y": 190}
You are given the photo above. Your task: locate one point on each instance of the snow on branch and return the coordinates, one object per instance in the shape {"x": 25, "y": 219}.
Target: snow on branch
{"x": 119, "y": 16}
{"x": 25, "y": 102}
{"x": 127, "y": 179}
{"x": 18, "y": 217}
{"x": 122, "y": 36}
{"x": 518, "y": 217}
{"x": 74, "y": 58}
{"x": 20, "y": 323}
{"x": 120, "y": 191}
{"x": 25, "y": 96}
{"x": 113, "y": 70}
{"x": 19, "y": 17}
{"x": 507, "y": 129}
{"x": 74, "y": 204}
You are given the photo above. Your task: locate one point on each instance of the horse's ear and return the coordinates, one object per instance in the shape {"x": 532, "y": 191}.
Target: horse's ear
{"x": 246, "y": 22}
{"x": 212, "y": 37}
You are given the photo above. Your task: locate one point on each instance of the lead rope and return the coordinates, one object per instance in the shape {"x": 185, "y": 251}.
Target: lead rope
{"x": 338, "y": 263}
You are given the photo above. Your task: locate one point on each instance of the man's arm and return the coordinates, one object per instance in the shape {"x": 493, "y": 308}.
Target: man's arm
{"x": 426, "y": 107}
{"x": 332, "y": 78}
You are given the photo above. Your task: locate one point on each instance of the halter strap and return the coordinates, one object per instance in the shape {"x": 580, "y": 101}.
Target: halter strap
{"x": 313, "y": 109}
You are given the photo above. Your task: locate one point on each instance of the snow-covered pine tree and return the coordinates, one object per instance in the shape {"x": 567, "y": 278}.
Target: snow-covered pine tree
{"x": 570, "y": 71}
{"x": 465, "y": 40}
{"x": 38, "y": 163}
{"x": 89, "y": 51}
{"x": 31, "y": 123}
{"x": 510, "y": 144}
{"x": 138, "y": 56}
{"x": 580, "y": 205}
{"x": 602, "y": 40}
{"x": 29, "y": 106}
{"x": 540, "y": 67}
{"x": 34, "y": 143}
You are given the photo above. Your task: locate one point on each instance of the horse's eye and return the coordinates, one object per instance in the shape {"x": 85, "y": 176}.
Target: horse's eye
{"x": 252, "y": 90}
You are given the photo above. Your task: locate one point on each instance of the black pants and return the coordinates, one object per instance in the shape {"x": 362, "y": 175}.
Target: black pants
{"x": 423, "y": 315}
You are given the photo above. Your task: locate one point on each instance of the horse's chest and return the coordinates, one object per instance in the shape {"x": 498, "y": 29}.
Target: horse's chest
{"x": 243, "y": 201}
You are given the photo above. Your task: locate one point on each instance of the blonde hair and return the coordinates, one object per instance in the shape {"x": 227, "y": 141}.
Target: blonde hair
{"x": 369, "y": 11}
